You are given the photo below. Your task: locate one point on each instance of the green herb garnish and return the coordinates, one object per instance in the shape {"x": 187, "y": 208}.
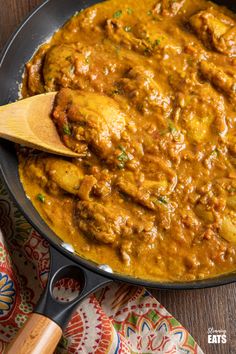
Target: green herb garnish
{"x": 130, "y": 11}
{"x": 160, "y": 200}
{"x": 172, "y": 128}
{"x": 41, "y": 197}
{"x": 66, "y": 129}
{"x": 149, "y": 13}
{"x": 117, "y": 14}
{"x": 156, "y": 43}
{"x": 163, "y": 200}
{"x": 122, "y": 158}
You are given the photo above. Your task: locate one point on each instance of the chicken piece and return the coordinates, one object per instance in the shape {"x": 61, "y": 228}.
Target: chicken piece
{"x": 148, "y": 192}
{"x": 148, "y": 97}
{"x": 203, "y": 116}
{"x": 99, "y": 222}
{"x": 219, "y": 79}
{"x": 116, "y": 32}
{"x": 65, "y": 66}
{"x": 161, "y": 172}
{"x": 228, "y": 228}
{"x": 35, "y": 84}
{"x": 137, "y": 193}
{"x": 142, "y": 39}
{"x": 168, "y": 8}
{"x": 231, "y": 202}
{"x": 206, "y": 215}
{"x": 54, "y": 174}
{"x": 79, "y": 67}
{"x": 88, "y": 120}
{"x": 215, "y": 30}
{"x": 86, "y": 187}
{"x": 34, "y": 169}
{"x": 85, "y": 21}
{"x": 108, "y": 223}
{"x": 64, "y": 174}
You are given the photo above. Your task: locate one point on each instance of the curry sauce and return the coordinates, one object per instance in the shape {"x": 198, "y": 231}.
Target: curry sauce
{"x": 147, "y": 97}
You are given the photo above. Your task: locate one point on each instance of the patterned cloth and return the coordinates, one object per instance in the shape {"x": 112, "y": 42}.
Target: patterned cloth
{"x": 117, "y": 319}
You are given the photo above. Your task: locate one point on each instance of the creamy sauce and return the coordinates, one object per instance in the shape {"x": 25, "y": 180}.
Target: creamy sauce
{"x": 147, "y": 99}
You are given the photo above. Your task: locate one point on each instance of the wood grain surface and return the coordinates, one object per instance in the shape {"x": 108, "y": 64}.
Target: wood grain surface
{"x": 39, "y": 335}
{"x": 197, "y": 310}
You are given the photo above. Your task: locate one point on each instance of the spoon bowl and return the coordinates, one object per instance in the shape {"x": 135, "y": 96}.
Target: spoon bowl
{"x": 28, "y": 122}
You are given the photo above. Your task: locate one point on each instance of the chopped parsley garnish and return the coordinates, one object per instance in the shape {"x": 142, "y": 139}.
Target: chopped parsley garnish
{"x": 66, "y": 129}
{"x": 41, "y": 197}
{"x": 130, "y": 11}
{"x": 156, "y": 42}
{"x": 161, "y": 200}
{"x": 149, "y": 13}
{"x": 127, "y": 28}
{"x": 117, "y": 14}
{"x": 151, "y": 46}
{"x": 172, "y": 128}
{"x": 122, "y": 158}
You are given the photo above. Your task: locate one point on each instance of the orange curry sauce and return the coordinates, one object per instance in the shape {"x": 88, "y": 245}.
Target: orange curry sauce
{"x": 147, "y": 97}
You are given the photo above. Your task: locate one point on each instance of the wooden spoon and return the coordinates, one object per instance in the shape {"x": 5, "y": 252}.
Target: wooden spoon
{"x": 28, "y": 122}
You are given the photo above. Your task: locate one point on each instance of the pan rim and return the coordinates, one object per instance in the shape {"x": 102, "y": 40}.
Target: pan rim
{"x": 175, "y": 285}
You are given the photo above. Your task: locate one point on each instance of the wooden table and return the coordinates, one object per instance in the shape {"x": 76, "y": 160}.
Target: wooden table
{"x": 197, "y": 310}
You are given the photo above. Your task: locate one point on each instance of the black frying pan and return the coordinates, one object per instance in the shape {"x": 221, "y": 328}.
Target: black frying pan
{"x": 36, "y": 29}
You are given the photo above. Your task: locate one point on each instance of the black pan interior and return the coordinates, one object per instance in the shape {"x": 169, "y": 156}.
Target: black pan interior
{"x": 37, "y": 28}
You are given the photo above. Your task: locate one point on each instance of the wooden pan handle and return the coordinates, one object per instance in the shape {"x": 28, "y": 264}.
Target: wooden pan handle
{"x": 40, "y": 335}
{"x": 43, "y": 330}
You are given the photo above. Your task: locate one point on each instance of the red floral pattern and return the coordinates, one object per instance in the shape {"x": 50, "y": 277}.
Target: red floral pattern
{"x": 118, "y": 319}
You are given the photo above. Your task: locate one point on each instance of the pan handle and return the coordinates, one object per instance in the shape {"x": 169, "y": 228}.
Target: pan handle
{"x": 43, "y": 330}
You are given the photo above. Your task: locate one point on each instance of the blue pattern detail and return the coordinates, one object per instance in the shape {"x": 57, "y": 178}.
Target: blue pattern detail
{"x": 179, "y": 334}
{"x": 7, "y": 293}
{"x": 118, "y": 343}
{"x": 129, "y": 330}
{"x": 164, "y": 326}
{"x": 145, "y": 325}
